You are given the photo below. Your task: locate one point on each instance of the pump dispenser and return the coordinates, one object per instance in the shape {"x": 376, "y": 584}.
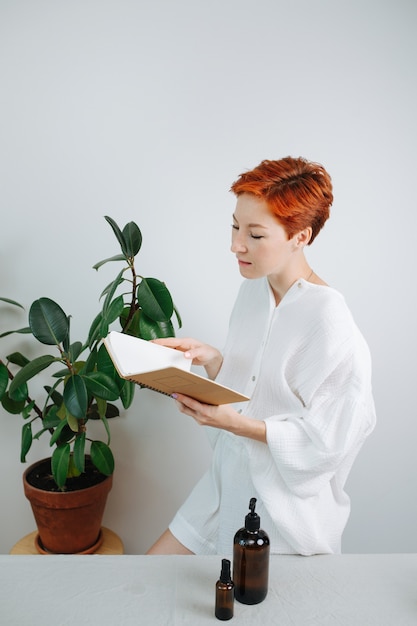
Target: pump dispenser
{"x": 251, "y": 559}
{"x": 224, "y": 593}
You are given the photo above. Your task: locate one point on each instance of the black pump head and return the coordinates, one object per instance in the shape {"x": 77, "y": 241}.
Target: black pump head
{"x": 252, "y": 519}
{"x": 225, "y": 576}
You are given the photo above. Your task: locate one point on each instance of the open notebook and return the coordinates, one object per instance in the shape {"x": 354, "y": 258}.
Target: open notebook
{"x": 164, "y": 370}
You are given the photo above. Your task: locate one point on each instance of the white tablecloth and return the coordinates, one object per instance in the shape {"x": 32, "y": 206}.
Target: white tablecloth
{"x": 345, "y": 590}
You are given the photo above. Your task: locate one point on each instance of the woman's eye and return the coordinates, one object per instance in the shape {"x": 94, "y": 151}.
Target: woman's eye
{"x": 251, "y": 235}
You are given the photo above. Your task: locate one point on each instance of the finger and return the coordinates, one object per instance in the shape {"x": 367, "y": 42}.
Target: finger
{"x": 186, "y": 410}
{"x": 194, "y": 405}
{"x": 184, "y": 345}
{"x": 169, "y": 342}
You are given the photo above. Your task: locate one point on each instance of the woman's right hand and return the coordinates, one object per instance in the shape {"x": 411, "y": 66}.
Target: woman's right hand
{"x": 200, "y": 353}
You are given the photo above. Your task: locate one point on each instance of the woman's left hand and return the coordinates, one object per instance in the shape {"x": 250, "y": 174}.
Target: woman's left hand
{"x": 223, "y": 416}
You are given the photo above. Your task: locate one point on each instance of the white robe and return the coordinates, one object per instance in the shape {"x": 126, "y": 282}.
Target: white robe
{"x": 307, "y": 370}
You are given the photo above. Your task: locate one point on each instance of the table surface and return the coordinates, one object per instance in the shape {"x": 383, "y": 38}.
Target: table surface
{"x": 339, "y": 590}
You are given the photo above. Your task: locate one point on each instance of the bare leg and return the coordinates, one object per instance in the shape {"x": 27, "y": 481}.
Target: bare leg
{"x": 168, "y": 544}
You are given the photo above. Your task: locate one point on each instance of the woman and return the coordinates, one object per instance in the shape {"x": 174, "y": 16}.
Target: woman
{"x": 294, "y": 349}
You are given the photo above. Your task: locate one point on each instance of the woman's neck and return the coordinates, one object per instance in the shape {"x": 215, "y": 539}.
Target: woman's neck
{"x": 280, "y": 283}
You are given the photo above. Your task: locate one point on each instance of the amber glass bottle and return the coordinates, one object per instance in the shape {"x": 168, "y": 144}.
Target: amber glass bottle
{"x": 224, "y": 593}
{"x": 251, "y": 560}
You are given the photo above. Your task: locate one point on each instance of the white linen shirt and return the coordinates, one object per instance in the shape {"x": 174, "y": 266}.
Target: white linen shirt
{"x": 307, "y": 370}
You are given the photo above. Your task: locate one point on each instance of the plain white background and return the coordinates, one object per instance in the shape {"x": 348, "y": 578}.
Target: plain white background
{"x": 148, "y": 111}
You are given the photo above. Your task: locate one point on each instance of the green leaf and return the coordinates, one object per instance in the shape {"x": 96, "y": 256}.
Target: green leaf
{"x": 75, "y": 350}
{"x": 8, "y": 301}
{"x": 104, "y": 328}
{"x": 48, "y": 322}
{"x": 73, "y": 471}
{"x": 51, "y": 419}
{"x": 28, "y": 410}
{"x": 4, "y": 378}
{"x": 153, "y": 330}
{"x": 178, "y": 316}
{"x": 11, "y": 406}
{"x": 127, "y": 393}
{"x": 91, "y": 361}
{"x": 62, "y": 411}
{"x": 44, "y": 430}
{"x": 66, "y": 341}
{"x": 93, "y": 333}
{"x": 61, "y": 373}
{"x": 101, "y": 407}
{"x": 101, "y": 386}
{"x": 21, "y": 331}
{"x": 95, "y": 412}
{"x": 79, "y": 453}
{"x": 133, "y": 238}
{"x": 17, "y": 358}
{"x": 155, "y": 300}
{"x": 72, "y": 423}
{"x": 117, "y": 257}
{"x": 19, "y": 394}
{"x": 110, "y": 291}
{"x": 78, "y": 367}
{"x": 107, "y": 427}
{"x": 76, "y": 397}
{"x": 66, "y": 434}
{"x": 57, "y": 432}
{"x": 60, "y": 464}
{"x": 130, "y": 325}
{"x": 53, "y": 394}
{"x": 30, "y": 370}
{"x": 26, "y": 441}
{"x": 105, "y": 364}
{"x": 102, "y": 457}
{"x": 114, "y": 309}
{"x": 165, "y": 329}
{"x": 118, "y": 233}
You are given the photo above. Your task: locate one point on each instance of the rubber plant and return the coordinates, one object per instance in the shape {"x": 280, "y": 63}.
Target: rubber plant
{"x": 84, "y": 383}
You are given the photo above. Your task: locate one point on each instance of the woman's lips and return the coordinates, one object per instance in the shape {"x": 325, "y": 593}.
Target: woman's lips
{"x": 243, "y": 263}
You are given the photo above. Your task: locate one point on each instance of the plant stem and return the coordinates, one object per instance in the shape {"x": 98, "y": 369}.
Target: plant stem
{"x": 133, "y": 305}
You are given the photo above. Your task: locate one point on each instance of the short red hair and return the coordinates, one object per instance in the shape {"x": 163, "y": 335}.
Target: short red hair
{"x": 298, "y": 192}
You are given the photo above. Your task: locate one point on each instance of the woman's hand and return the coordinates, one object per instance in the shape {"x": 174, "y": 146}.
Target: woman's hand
{"x": 223, "y": 416}
{"x": 200, "y": 353}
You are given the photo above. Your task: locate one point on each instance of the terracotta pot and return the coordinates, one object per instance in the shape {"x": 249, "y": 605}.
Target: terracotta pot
{"x": 69, "y": 522}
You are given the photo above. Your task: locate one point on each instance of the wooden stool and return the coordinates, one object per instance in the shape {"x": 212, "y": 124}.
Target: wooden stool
{"x": 111, "y": 544}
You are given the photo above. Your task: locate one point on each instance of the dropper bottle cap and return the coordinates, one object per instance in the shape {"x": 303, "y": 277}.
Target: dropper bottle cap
{"x": 252, "y": 519}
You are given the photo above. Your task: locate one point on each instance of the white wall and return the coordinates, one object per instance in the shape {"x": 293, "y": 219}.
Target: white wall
{"x": 147, "y": 111}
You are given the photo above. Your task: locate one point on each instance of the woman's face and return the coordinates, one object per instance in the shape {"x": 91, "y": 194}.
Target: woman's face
{"x": 260, "y": 243}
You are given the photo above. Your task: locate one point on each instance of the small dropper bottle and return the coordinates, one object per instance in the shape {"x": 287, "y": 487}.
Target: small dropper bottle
{"x": 224, "y": 593}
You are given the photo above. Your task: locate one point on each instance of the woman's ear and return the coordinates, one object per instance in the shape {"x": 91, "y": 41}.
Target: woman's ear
{"x": 302, "y": 238}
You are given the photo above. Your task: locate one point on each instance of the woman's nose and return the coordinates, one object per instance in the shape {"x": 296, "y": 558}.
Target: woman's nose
{"x": 237, "y": 245}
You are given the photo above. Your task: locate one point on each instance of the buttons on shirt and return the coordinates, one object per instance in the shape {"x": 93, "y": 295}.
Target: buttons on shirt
{"x": 253, "y": 378}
